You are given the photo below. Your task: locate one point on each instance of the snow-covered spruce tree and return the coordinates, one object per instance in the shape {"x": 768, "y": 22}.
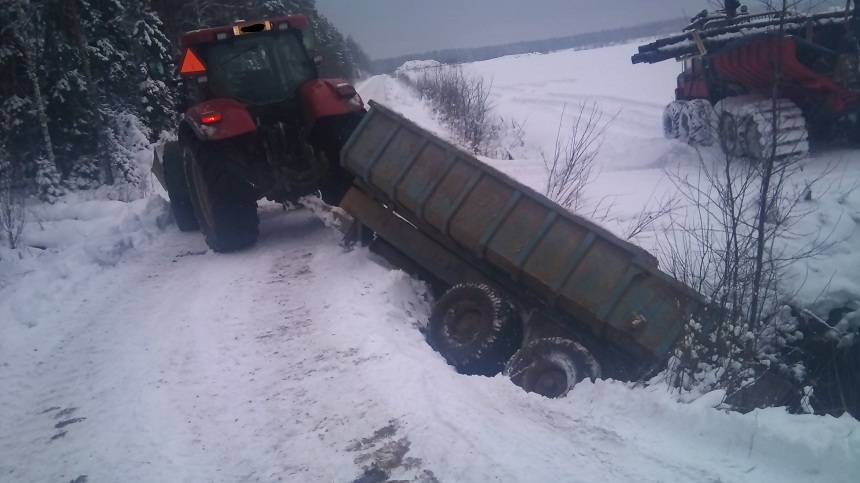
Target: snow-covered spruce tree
{"x": 153, "y": 74}
{"x": 24, "y": 124}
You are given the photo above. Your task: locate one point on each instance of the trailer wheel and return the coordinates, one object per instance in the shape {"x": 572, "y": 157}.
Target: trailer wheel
{"x": 224, "y": 204}
{"x": 672, "y": 120}
{"x": 551, "y": 367}
{"x": 177, "y": 188}
{"x": 475, "y": 329}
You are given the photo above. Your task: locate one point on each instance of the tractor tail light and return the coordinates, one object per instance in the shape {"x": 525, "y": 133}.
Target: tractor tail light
{"x": 210, "y": 118}
{"x": 345, "y": 90}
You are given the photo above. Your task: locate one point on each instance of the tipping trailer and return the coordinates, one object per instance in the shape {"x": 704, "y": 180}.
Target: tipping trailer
{"x": 546, "y": 295}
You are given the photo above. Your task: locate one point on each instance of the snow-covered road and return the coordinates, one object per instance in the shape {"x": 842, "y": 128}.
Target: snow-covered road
{"x": 301, "y": 361}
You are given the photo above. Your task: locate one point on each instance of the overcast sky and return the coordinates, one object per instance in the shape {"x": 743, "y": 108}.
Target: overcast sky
{"x": 387, "y": 28}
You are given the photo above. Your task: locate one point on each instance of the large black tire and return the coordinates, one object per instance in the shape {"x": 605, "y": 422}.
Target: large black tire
{"x": 331, "y": 136}
{"x": 475, "y": 329}
{"x": 225, "y": 205}
{"x": 177, "y": 188}
{"x": 552, "y": 367}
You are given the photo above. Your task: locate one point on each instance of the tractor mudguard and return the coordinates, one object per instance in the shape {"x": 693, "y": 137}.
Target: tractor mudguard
{"x": 328, "y": 97}
{"x": 219, "y": 119}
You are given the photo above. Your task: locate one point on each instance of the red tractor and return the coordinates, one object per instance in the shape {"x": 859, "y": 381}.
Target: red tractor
{"x": 746, "y": 74}
{"x": 257, "y": 122}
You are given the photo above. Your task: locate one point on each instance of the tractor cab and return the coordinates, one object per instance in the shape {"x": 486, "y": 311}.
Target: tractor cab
{"x": 256, "y": 63}
{"x": 258, "y": 122}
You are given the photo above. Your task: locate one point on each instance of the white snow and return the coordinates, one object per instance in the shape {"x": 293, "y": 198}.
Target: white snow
{"x": 129, "y": 352}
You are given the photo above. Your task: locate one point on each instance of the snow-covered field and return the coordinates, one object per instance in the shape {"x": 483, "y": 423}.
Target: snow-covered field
{"x": 128, "y": 352}
{"x": 634, "y": 157}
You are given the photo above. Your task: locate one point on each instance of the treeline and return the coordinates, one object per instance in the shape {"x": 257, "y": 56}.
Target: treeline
{"x": 84, "y": 84}
{"x": 592, "y": 39}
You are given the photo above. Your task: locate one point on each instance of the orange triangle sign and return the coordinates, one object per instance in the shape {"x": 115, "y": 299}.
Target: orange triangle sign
{"x": 191, "y": 64}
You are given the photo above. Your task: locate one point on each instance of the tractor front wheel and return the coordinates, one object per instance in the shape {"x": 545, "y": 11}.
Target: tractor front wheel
{"x": 225, "y": 205}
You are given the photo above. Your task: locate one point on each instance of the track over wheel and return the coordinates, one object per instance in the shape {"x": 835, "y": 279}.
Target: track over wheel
{"x": 792, "y": 138}
{"x": 224, "y": 204}
{"x": 177, "y": 188}
{"x": 731, "y": 141}
{"x": 747, "y": 128}
{"x": 551, "y": 367}
{"x": 672, "y": 120}
{"x": 699, "y": 122}
{"x": 475, "y": 329}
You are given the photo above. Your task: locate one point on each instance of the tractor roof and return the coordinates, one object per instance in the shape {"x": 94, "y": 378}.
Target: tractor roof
{"x": 213, "y": 34}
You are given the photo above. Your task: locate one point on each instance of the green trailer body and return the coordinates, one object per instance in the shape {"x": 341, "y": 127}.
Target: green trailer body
{"x": 459, "y": 218}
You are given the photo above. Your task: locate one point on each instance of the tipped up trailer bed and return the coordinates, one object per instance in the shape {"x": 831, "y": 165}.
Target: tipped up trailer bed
{"x": 578, "y": 288}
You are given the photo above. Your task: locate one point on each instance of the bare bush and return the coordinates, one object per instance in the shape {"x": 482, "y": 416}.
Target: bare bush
{"x": 731, "y": 246}
{"x": 463, "y": 102}
{"x": 571, "y": 165}
{"x": 649, "y": 216}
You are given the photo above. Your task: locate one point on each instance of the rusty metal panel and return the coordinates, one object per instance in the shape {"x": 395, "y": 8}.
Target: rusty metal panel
{"x": 650, "y": 313}
{"x": 403, "y": 147}
{"x": 440, "y": 261}
{"x": 418, "y": 183}
{"x": 363, "y": 150}
{"x": 479, "y": 211}
{"x": 546, "y": 267}
{"x": 444, "y": 199}
{"x": 514, "y": 235}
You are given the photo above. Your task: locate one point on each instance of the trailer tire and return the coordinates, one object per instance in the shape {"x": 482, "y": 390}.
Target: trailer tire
{"x": 475, "y": 329}
{"x": 672, "y": 120}
{"x": 552, "y": 367}
{"x": 224, "y": 204}
{"x": 177, "y": 188}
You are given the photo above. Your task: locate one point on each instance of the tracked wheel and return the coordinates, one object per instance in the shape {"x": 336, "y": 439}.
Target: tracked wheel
{"x": 552, "y": 367}
{"x": 475, "y": 329}
{"x": 747, "y": 128}
{"x": 699, "y": 122}
{"x": 672, "y": 128}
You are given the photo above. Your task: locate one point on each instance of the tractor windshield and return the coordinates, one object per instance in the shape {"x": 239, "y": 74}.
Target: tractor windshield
{"x": 259, "y": 69}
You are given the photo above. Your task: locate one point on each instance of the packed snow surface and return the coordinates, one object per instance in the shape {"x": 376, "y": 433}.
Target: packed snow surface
{"x": 129, "y": 352}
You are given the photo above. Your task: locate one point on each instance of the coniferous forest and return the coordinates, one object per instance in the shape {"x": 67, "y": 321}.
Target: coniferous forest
{"x": 85, "y": 83}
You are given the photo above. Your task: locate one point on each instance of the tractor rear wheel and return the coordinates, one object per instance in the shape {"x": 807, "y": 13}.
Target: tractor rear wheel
{"x": 552, "y": 367}
{"x": 224, "y": 204}
{"x": 475, "y": 329}
{"x": 177, "y": 188}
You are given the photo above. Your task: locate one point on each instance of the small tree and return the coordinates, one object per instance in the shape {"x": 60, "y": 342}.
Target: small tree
{"x": 571, "y": 165}
{"x": 13, "y": 214}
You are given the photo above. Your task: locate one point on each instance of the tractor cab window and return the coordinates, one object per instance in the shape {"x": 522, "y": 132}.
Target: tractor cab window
{"x": 259, "y": 69}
